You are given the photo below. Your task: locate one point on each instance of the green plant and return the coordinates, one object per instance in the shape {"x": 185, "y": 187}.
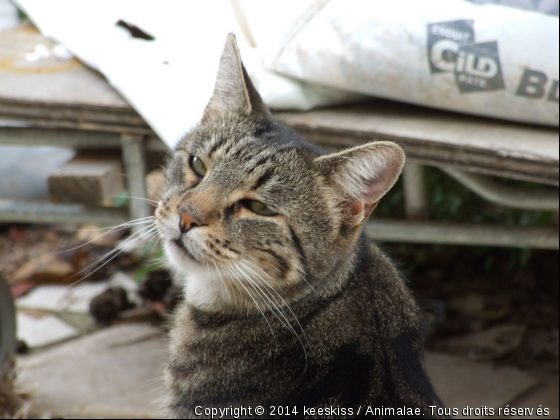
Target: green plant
{"x": 156, "y": 258}
{"x": 451, "y": 202}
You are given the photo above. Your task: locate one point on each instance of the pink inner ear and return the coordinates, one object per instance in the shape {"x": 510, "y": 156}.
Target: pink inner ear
{"x": 376, "y": 188}
{"x": 369, "y": 207}
{"x": 362, "y": 208}
{"x": 357, "y": 207}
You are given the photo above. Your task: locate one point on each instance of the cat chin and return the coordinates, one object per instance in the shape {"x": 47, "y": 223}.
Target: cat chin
{"x": 200, "y": 288}
{"x": 182, "y": 262}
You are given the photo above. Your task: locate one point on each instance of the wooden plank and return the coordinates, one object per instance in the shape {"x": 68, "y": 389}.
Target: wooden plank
{"x": 54, "y": 93}
{"x": 15, "y": 133}
{"x": 69, "y": 114}
{"x": 437, "y": 154}
{"x": 93, "y": 179}
{"x": 51, "y": 80}
{"x": 25, "y": 211}
{"x": 491, "y": 147}
{"x": 34, "y": 123}
{"x": 427, "y": 126}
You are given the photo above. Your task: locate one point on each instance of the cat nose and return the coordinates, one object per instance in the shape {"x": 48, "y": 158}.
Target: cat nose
{"x": 187, "y": 221}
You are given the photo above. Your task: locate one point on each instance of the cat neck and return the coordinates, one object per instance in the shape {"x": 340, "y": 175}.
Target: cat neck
{"x": 224, "y": 296}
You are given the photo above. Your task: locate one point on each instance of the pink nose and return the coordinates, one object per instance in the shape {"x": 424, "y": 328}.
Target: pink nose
{"x": 187, "y": 221}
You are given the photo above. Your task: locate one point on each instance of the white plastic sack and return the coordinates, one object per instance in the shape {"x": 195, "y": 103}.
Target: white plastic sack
{"x": 450, "y": 54}
{"x": 170, "y": 79}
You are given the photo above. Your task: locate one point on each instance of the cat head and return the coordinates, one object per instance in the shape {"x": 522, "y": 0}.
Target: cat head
{"x": 252, "y": 213}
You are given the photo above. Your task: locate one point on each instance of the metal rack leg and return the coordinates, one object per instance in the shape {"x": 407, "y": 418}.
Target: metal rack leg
{"x": 415, "y": 193}
{"x": 135, "y": 163}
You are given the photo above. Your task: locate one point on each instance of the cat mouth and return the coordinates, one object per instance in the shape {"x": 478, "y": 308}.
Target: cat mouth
{"x": 179, "y": 244}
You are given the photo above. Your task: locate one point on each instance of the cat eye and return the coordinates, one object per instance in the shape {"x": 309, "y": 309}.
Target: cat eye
{"x": 259, "y": 208}
{"x": 198, "y": 166}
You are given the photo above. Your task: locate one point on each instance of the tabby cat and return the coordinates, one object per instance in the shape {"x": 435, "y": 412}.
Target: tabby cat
{"x": 287, "y": 302}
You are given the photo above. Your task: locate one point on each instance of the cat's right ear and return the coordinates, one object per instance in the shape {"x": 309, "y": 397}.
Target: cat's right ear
{"x": 234, "y": 92}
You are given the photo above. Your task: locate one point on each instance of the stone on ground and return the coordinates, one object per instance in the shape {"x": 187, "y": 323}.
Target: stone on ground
{"x": 43, "y": 329}
{"x": 461, "y": 383}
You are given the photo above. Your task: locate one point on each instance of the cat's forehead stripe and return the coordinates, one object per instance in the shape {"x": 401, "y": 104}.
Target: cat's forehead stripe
{"x": 250, "y": 153}
{"x": 216, "y": 143}
{"x": 263, "y": 179}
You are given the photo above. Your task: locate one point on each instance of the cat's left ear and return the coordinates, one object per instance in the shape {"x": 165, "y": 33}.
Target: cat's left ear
{"x": 234, "y": 91}
{"x": 361, "y": 176}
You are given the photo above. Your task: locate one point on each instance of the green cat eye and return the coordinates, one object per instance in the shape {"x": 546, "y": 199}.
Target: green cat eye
{"x": 259, "y": 208}
{"x": 198, "y": 166}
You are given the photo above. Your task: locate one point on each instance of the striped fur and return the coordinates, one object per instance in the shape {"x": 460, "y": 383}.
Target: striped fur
{"x": 298, "y": 308}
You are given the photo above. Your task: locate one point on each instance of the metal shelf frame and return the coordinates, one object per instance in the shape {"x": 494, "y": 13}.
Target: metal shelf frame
{"x": 416, "y": 229}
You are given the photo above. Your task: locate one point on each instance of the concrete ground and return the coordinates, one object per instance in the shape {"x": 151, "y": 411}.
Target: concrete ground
{"x": 117, "y": 373}
{"x": 114, "y": 373}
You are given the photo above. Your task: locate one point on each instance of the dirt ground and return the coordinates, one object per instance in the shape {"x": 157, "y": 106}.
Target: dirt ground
{"x": 464, "y": 300}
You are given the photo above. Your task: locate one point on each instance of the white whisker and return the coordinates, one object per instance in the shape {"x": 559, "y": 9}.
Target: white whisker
{"x": 289, "y": 326}
{"x": 284, "y": 320}
{"x": 224, "y": 284}
{"x": 147, "y": 200}
{"x": 121, "y": 226}
{"x": 255, "y": 302}
{"x": 264, "y": 282}
{"x": 113, "y": 254}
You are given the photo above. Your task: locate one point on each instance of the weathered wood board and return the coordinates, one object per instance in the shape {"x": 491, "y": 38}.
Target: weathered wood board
{"x": 37, "y": 83}
{"x": 436, "y": 137}
{"x": 94, "y": 179}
